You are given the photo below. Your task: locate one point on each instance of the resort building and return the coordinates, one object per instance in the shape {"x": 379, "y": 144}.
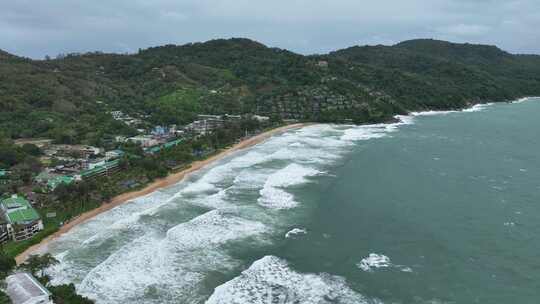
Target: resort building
{"x": 143, "y": 140}
{"x": 157, "y": 149}
{"x": 23, "y": 221}
{"x": 23, "y": 288}
{"x": 103, "y": 169}
{"x": 4, "y": 234}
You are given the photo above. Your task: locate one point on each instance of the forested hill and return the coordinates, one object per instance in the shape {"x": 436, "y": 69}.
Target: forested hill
{"x": 69, "y": 98}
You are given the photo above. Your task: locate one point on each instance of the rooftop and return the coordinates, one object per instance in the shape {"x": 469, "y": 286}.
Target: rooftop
{"x": 18, "y": 210}
{"x": 101, "y": 168}
{"x": 22, "y": 288}
{"x": 63, "y": 179}
{"x": 156, "y": 149}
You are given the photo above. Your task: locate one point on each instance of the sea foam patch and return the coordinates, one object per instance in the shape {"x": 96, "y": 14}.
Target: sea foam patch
{"x": 376, "y": 261}
{"x": 271, "y": 280}
{"x": 273, "y": 196}
{"x": 474, "y": 108}
{"x": 295, "y": 232}
{"x": 175, "y": 265}
{"x": 364, "y": 133}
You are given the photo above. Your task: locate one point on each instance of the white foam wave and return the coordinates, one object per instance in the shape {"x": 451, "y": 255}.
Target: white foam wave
{"x": 375, "y": 261}
{"x": 474, "y": 108}
{"x": 272, "y": 194}
{"x": 175, "y": 265}
{"x": 270, "y": 280}
{"x": 432, "y": 113}
{"x": 295, "y": 231}
{"x": 477, "y": 108}
{"x": 524, "y": 99}
{"x": 364, "y": 133}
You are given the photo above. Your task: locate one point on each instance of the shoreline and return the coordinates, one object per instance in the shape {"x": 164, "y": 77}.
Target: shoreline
{"x": 167, "y": 181}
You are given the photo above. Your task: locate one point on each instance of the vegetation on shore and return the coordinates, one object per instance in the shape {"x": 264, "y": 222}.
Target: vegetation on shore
{"x": 68, "y": 98}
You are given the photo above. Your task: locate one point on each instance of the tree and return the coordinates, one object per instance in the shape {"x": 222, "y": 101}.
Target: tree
{"x": 66, "y": 294}
{"x": 36, "y": 264}
{"x": 6, "y": 265}
{"x": 31, "y": 149}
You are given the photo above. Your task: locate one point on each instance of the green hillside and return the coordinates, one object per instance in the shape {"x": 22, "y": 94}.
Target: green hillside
{"x": 68, "y": 98}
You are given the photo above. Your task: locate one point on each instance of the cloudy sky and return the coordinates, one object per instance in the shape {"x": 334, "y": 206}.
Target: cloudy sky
{"x": 35, "y": 28}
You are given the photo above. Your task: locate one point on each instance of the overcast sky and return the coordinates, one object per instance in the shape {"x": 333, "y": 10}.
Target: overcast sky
{"x": 35, "y": 28}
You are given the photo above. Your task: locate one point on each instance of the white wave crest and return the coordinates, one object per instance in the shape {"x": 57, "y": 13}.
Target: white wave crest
{"x": 270, "y": 280}
{"x": 174, "y": 265}
{"x": 295, "y": 231}
{"x": 272, "y": 194}
{"x": 374, "y": 261}
{"x": 524, "y": 99}
{"x": 364, "y": 132}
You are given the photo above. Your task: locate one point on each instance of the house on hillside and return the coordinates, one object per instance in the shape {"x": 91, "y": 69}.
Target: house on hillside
{"x": 23, "y": 221}
{"x": 322, "y": 64}
{"x": 23, "y": 288}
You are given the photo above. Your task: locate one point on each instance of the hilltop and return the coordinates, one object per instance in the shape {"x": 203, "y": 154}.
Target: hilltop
{"x": 69, "y": 98}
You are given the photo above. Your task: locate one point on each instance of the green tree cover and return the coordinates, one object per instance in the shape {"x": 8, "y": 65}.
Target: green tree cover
{"x": 67, "y": 98}
{"x": 6, "y": 265}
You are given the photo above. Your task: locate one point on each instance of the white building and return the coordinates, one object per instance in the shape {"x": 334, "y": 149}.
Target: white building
{"x": 117, "y": 115}
{"x": 120, "y": 139}
{"x": 23, "y": 288}
{"x": 23, "y": 221}
{"x": 261, "y": 118}
{"x": 143, "y": 140}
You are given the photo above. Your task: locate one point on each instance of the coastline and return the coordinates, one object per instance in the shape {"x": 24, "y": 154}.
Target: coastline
{"x": 170, "y": 180}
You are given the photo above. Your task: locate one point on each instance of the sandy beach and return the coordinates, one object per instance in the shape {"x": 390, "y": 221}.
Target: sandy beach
{"x": 158, "y": 184}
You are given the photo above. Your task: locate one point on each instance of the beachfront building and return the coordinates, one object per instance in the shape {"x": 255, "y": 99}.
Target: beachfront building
{"x": 23, "y": 288}
{"x": 4, "y": 234}
{"x": 143, "y": 140}
{"x": 158, "y": 148}
{"x": 22, "y": 219}
{"x": 103, "y": 169}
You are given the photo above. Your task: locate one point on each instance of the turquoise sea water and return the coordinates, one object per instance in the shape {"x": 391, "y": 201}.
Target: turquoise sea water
{"x": 441, "y": 208}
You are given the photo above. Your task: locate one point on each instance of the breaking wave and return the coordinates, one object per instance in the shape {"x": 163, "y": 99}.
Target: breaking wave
{"x": 273, "y": 194}
{"x": 270, "y": 280}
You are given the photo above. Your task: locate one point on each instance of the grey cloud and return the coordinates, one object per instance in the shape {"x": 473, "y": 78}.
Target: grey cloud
{"x": 40, "y": 27}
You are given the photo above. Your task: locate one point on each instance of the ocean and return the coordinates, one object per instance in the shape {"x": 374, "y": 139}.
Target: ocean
{"x": 443, "y": 207}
